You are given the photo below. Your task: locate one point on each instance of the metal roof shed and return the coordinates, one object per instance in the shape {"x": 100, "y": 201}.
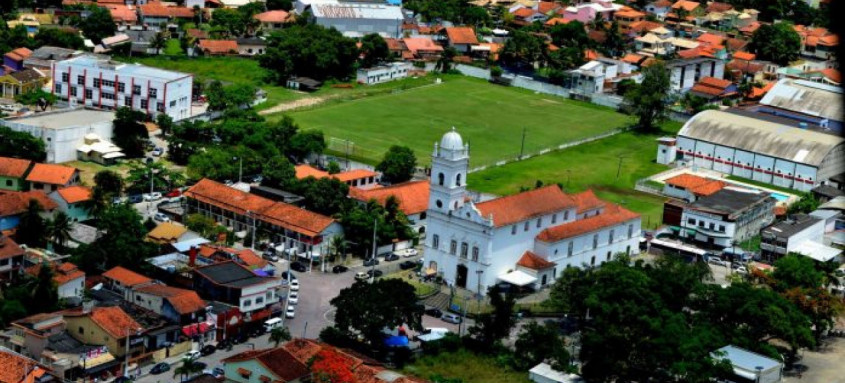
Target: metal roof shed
{"x": 755, "y": 367}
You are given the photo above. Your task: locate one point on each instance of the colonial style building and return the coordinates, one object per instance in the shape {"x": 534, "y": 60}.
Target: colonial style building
{"x": 525, "y": 239}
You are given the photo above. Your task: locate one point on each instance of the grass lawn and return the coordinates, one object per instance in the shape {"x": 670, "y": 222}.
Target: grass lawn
{"x": 490, "y": 117}
{"x": 422, "y": 289}
{"x": 87, "y": 170}
{"x": 764, "y": 185}
{"x": 464, "y": 365}
{"x": 591, "y": 165}
{"x": 173, "y": 47}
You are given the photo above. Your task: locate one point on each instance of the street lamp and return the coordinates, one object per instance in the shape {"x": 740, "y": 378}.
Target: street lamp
{"x": 759, "y": 373}
{"x": 240, "y": 167}
{"x": 478, "y": 274}
{"x": 126, "y": 357}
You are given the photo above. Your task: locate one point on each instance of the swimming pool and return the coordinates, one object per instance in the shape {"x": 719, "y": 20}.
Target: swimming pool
{"x": 780, "y": 197}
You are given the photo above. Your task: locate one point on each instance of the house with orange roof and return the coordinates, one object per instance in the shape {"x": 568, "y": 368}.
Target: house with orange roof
{"x": 125, "y": 281}
{"x": 461, "y": 38}
{"x": 527, "y": 16}
{"x": 659, "y": 8}
{"x": 684, "y": 11}
{"x": 272, "y": 20}
{"x": 75, "y": 201}
{"x": 51, "y": 177}
{"x": 423, "y": 48}
{"x": 360, "y": 178}
{"x": 627, "y": 16}
{"x": 105, "y": 326}
{"x": 11, "y": 258}
{"x": 477, "y": 244}
{"x": 157, "y": 13}
{"x": 177, "y": 305}
{"x": 69, "y": 279}
{"x": 689, "y": 187}
{"x": 714, "y": 89}
{"x": 18, "y": 368}
{"x": 13, "y": 171}
{"x": 209, "y": 47}
{"x": 13, "y": 204}
{"x": 412, "y": 197}
{"x": 686, "y": 72}
{"x": 31, "y": 334}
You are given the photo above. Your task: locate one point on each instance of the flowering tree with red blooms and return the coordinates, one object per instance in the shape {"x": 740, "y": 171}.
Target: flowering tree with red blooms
{"x": 329, "y": 367}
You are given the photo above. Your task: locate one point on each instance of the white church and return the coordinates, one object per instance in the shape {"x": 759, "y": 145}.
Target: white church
{"x": 526, "y": 239}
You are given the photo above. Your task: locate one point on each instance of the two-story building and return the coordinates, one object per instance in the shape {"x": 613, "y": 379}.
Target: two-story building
{"x": 803, "y": 234}
{"x": 13, "y": 171}
{"x": 232, "y": 283}
{"x": 177, "y": 305}
{"x": 50, "y": 177}
{"x": 13, "y": 204}
{"x": 69, "y": 279}
{"x": 124, "y": 281}
{"x": 359, "y": 178}
{"x": 412, "y": 197}
{"x": 94, "y": 82}
{"x": 11, "y": 259}
{"x": 269, "y": 365}
{"x": 73, "y": 201}
{"x": 31, "y": 335}
{"x": 106, "y": 326}
{"x": 690, "y": 187}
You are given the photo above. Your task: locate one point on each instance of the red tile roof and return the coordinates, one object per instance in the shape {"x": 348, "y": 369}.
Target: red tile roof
{"x": 251, "y": 259}
{"x": 15, "y": 366}
{"x": 19, "y": 54}
{"x": 157, "y": 9}
{"x": 519, "y": 207}
{"x": 9, "y": 248}
{"x": 689, "y": 6}
{"x": 628, "y": 12}
{"x": 590, "y": 54}
{"x": 74, "y": 194}
{"x": 279, "y": 361}
{"x": 13, "y": 167}
{"x": 744, "y": 56}
{"x": 757, "y": 93}
{"x": 305, "y": 171}
{"x": 354, "y": 174}
{"x": 278, "y": 213}
{"x": 416, "y": 44}
{"x": 633, "y": 58}
{"x": 65, "y": 273}
{"x": 122, "y": 13}
{"x": 183, "y": 301}
{"x": 276, "y": 16}
{"x": 545, "y": 7}
{"x": 14, "y": 203}
{"x": 710, "y": 38}
{"x": 461, "y": 35}
{"x": 218, "y": 46}
{"x": 613, "y": 215}
{"x": 534, "y": 261}
{"x": 832, "y": 74}
{"x": 557, "y": 20}
{"x": 587, "y": 200}
{"x": 197, "y": 33}
{"x": 114, "y": 321}
{"x": 644, "y": 26}
{"x": 750, "y": 28}
{"x": 695, "y": 184}
{"x": 412, "y": 196}
{"x": 719, "y": 7}
{"x": 126, "y": 277}
{"x": 51, "y": 174}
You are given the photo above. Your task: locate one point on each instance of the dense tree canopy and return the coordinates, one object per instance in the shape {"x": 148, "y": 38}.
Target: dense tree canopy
{"x": 120, "y": 243}
{"x": 310, "y": 51}
{"x": 98, "y": 24}
{"x": 374, "y": 50}
{"x": 648, "y": 101}
{"x": 58, "y": 38}
{"x": 368, "y": 308}
{"x": 398, "y": 165}
{"x": 778, "y": 42}
{"x": 130, "y": 134}
{"x": 21, "y": 145}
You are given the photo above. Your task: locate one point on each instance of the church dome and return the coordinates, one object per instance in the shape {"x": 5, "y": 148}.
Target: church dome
{"x": 452, "y": 141}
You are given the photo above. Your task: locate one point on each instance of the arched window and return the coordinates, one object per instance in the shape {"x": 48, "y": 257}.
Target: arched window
{"x": 440, "y": 179}
{"x": 458, "y": 180}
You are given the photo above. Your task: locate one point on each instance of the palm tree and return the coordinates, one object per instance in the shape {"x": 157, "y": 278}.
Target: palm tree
{"x": 188, "y": 368}
{"x": 158, "y": 42}
{"x": 338, "y": 246}
{"x": 58, "y": 228}
{"x": 279, "y": 335}
{"x": 31, "y": 227}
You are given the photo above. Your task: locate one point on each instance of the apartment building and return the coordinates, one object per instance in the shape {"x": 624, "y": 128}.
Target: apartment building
{"x": 99, "y": 83}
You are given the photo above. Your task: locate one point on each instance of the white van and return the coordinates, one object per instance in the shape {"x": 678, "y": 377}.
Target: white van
{"x": 272, "y": 323}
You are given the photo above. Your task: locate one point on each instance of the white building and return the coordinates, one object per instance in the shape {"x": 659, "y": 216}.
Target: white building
{"x": 684, "y": 73}
{"x": 761, "y": 150}
{"x": 475, "y": 245}
{"x": 359, "y": 19}
{"x": 591, "y": 77}
{"x": 63, "y": 131}
{"x": 384, "y": 73}
{"x": 105, "y": 84}
{"x": 802, "y": 234}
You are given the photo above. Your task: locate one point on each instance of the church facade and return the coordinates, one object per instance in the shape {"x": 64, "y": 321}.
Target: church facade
{"x": 526, "y": 239}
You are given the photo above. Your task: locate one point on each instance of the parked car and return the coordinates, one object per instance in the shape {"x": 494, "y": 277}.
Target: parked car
{"x": 122, "y": 379}
{"x": 201, "y": 365}
{"x": 223, "y": 344}
{"x": 293, "y": 298}
{"x": 160, "y": 368}
{"x": 741, "y": 270}
{"x": 391, "y": 257}
{"x": 154, "y": 196}
{"x": 294, "y": 285}
{"x": 291, "y": 312}
{"x": 207, "y": 350}
{"x": 270, "y": 256}
{"x": 218, "y": 372}
{"x": 370, "y": 262}
{"x": 717, "y": 261}
{"x": 135, "y": 198}
{"x": 192, "y": 355}
{"x": 435, "y": 312}
{"x": 361, "y": 276}
{"x": 173, "y": 193}
{"x": 407, "y": 265}
{"x": 377, "y": 273}
{"x": 407, "y": 253}
{"x": 158, "y": 151}
{"x": 451, "y": 318}
{"x": 161, "y": 217}
{"x": 117, "y": 200}
{"x": 257, "y": 179}
{"x": 298, "y": 266}
{"x": 339, "y": 269}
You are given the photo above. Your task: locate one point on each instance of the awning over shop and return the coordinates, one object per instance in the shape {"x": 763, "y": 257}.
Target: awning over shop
{"x": 196, "y": 329}
{"x": 518, "y": 278}
{"x": 817, "y": 251}
{"x": 98, "y": 362}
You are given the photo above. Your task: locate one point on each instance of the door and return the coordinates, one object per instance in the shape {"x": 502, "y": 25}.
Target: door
{"x": 461, "y": 279}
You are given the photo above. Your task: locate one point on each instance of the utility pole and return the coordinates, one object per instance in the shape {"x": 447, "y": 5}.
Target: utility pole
{"x": 522, "y": 147}
{"x": 619, "y": 168}
{"x": 479, "y": 273}
{"x": 375, "y": 246}
{"x": 347, "y": 155}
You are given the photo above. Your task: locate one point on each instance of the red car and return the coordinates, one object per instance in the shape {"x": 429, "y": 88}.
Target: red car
{"x": 173, "y": 193}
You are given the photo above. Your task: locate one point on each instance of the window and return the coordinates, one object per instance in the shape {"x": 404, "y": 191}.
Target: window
{"x": 539, "y": 222}
{"x": 608, "y": 255}
{"x": 554, "y": 219}
{"x": 691, "y": 221}
{"x": 144, "y": 104}
{"x": 630, "y": 231}
{"x": 172, "y": 103}
{"x": 97, "y": 82}
{"x": 593, "y": 260}
{"x": 526, "y": 226}
{"x": 475, "y": 253}
{"x": 81, "y": 330}
{"x": 453, "y": 247}
{"x": 566, "y": 215}
{"x": 127, "y": 101}
{"x": 8, "y": 182}
{"x": 80, "y": 80}
{"x": 121, "y": 87}
{"x": 610, "y": 240}
{"x": 569, "y": 248}
{"x": 59, "y": 88}
{"x": 513, "y": 230}
{"x": 464, "y": 249}
{"x": 108, "y": 96}
{"x": 595, "y": 241}
{"x": 247, "y": 303}
{"x": 712, "y": 226}
{"x": 260, "y": 300}
{"x": 65, "y": 77}
{"x": 439, "y": 204}
{"x": 435, "y": 241}
{"x": 136, "y": 89}
{"x": 440, "y": 179}
{"x": 722, "y": 228}
{"x": 89, "y": 93}
{"x": 700, "y": 223}
{"x": 108, "y": 83}
{"x": 153, "y": 93}
{"x": 458, "y": 180}
{"x": 73, "y": 91}
{"x": 160, "y": 106}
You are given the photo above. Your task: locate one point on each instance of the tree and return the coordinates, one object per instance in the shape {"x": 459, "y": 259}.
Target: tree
{"x": 163, "y": 178}
{"x": 36, "y": 97}
{"x": 31, "y": 228}
{"x": 523, "y": 48}
{"x": 329, "y": 367}
{"x": 444, "y": 63}
{"x": 572, "y": 34}
{"x": 279, "y": 173}
{"x": 108, "y": 182}
{"x": 58, "y": 38}
{"x": 695, "y": 104}
{"x": 323, "y": 195}
{"x": 45, "y": 296}
{"x": 648, "y": 100}
{"x": 120, "y": 242}
{"x": 374, "y": 50}
{"x": 165, "y": 123}
{"x": 778, "y": 42}
{"x": 398, "y": 164}
{"x": 158, "y": 42}
{"x": 285, "y": 5}
{"x": 310, "y": 51}
{"x": 58, "y": 228}
{"x": 279, "y": 335}
{"x": 368, "y": 308}
{"x": 796, "y": 270}
{"x": 333, "y": 167}
{"x": 130, "y": 134}
{"x": 201, "y": 224}
{"x": 805, "y": 204}
{"x": 21, "y": 145}
{"x": 229, "y": 21}
{"x": 489, "y": 328}
{"x": 188, "y": 368}
{"x": 230, "y": 96}
{"x": 98, "y": 24}
{"x": 538, "y": 343}
{"x": 306, "y": 143}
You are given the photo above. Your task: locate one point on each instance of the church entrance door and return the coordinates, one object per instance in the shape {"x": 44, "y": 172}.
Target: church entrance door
{"x": 461, "y": 280}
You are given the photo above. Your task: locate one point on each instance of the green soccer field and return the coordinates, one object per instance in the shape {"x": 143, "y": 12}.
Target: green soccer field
{"x": 490, "y": 117}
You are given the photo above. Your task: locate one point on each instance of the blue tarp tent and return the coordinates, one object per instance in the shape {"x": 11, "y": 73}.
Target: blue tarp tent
{"x": 396, "y": 341}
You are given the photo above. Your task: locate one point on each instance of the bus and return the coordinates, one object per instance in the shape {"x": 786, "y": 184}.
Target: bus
{"x": 672, "y": 247}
